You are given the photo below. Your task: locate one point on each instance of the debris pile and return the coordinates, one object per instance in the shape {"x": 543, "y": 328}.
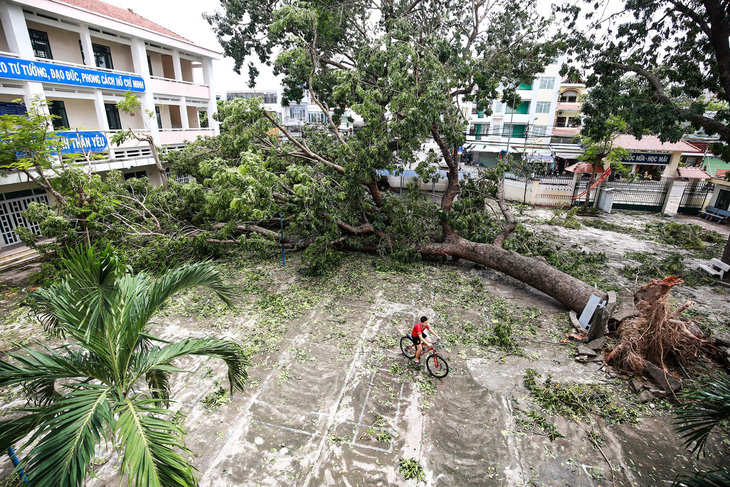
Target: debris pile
{"x": 657, "y": 338}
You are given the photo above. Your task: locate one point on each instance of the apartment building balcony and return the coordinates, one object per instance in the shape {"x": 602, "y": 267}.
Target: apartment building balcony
{"x": 569, "y": 106}
{"x": 566, "y": 131}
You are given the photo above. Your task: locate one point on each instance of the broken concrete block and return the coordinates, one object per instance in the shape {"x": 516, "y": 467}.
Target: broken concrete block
{"x": 583, "y": 350}
{"x": 645, "y": 397}
{"x": 625, "y": 314}
{"x": 597, "y": 344}
{"x": 662, "y": 378}
{"x": 574, "y": 320}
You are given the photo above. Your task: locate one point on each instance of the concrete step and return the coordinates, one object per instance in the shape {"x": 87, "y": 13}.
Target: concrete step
{"x": 19, "y": 259}
{"x": 16, "y": 254}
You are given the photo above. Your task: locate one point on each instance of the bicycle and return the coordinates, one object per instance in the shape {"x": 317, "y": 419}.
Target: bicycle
{"x": 435, "y": 363}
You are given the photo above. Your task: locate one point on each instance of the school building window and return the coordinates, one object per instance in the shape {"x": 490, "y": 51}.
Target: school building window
{"x": 112, "y": 116}
{"x": 102, "y": 56}
{"x": 58, "y": 109}
{"x": 136, "y": 175}
{"x": 41, "y": 46}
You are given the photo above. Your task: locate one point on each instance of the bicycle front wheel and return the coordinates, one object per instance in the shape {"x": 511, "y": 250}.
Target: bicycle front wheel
{"x": 407, "y": 347}
{"x": 437, "y": 366}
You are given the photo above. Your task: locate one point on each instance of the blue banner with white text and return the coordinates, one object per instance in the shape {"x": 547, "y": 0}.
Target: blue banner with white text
{"x": 83, "y": 141}
{"x": 67, "y": 75}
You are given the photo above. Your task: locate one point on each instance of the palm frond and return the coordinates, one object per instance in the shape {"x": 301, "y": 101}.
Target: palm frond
{"x": 14, "y": 430}
{"x": 79, "y": 303}
{"x": 158, "y": 380}
{"x": 35, "y": 365}
{"x": 151, "y": 443}
{"x": 202, "y": 274}
{"x": 704, "y": 408}
{"x": 717, "y": 478}
{"x": 230, "y": 352}
{"x": 41, "y": 392}
{"x": 67, "y": 440}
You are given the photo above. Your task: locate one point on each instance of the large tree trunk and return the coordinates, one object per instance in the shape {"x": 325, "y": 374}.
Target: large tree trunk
{"x": 571, "y": 292}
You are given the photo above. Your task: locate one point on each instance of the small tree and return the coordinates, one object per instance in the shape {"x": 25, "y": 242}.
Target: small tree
{"x": 28, "y": 145}
{"x": 132, "y": 105}
{"x": 112, "y": 381}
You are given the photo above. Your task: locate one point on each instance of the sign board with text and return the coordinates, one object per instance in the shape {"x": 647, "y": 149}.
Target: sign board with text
{"x": 647, "y": 158}
{"x": 83, "y": 141}
{"x": 67, "y": 75}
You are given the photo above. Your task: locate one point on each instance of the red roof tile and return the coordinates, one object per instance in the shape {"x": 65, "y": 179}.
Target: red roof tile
{"x": 721, "y": 173}
{"x": 123, "y": 15}
{"x": 652, "y": 143}
{"x": 692, "y": 173}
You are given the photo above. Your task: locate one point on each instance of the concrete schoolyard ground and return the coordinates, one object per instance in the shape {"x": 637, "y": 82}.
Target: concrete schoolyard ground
{"x": 332, "y": 401}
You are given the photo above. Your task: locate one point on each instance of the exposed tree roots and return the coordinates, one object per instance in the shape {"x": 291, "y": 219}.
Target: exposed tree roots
{"x": 656, "y": 335}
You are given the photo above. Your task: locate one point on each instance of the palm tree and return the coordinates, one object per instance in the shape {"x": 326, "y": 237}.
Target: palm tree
{"x": 111, "y": 380}
{"x": 704, "y": 409}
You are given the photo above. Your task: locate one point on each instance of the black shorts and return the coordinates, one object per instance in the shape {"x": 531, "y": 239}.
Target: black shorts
{"x": 417, "y": 340}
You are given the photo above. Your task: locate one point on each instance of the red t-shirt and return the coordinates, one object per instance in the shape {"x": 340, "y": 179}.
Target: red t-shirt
{"x": 418, "y": 329}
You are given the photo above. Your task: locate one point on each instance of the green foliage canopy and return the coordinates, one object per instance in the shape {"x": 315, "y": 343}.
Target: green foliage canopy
{"x": 662, "y": 65}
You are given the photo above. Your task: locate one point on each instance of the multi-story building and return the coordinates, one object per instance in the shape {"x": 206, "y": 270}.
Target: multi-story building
{"x": 547, "y": 114}
{"x": 293, "y": 117}
{"x": 81, "y": 57}
{"x": 297, "y": 114}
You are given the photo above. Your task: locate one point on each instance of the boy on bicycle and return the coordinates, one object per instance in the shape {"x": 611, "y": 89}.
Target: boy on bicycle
{"x": 419, "y": 337}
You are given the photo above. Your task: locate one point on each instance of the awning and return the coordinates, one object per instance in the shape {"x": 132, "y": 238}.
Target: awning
{"x": 535, "y": 154}
{"x": 692, "y": 173}
{"x": 568, "y": 155}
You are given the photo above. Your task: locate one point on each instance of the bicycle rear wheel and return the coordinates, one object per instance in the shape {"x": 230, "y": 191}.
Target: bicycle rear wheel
{"x": 407, "y": 347}
{"x": 437, "y": 366}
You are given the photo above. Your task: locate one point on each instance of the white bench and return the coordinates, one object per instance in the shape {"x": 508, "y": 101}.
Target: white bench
{"x": 716, "y": 267}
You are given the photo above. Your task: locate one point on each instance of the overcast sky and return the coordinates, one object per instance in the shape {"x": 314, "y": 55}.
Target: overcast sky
{"x": 185, "y": 17}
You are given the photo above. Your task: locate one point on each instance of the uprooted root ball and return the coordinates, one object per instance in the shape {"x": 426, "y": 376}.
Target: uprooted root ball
{"x": 657, "y": 334}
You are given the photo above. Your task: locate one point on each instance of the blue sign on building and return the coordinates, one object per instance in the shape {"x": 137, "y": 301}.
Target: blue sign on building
{"x": 67, "y": 75}
{"x": 83, "y": 141}
{"x": 648, "y": 158}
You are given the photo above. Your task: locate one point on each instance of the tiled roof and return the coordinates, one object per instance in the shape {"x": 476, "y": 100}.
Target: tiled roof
{"x": 692, "y": 173}
{"x": 721, "y": 173}
{"x": 652, "y": 143}
{"x": 123, "y": 15}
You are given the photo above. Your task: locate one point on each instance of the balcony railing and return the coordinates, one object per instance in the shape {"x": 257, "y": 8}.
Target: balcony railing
{"x": 182, "y": 82}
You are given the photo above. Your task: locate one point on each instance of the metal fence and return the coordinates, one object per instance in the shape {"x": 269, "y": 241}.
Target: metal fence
{"x": 639, "y": 195}
{"x": 694, "y": 197}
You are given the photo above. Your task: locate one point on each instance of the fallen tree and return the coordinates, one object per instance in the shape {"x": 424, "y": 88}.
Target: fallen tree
{"x": 405, "y": 72}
